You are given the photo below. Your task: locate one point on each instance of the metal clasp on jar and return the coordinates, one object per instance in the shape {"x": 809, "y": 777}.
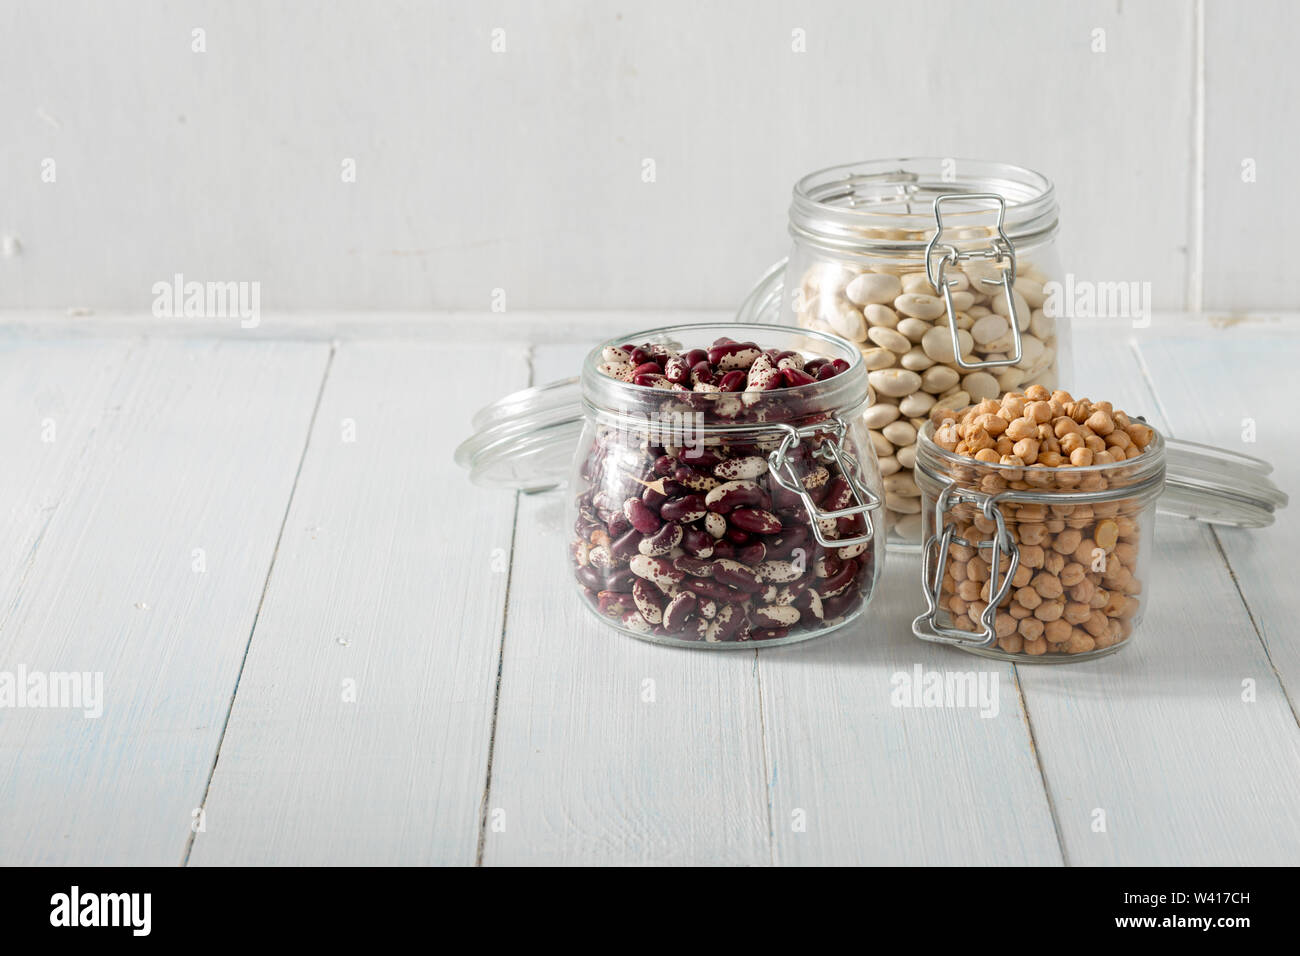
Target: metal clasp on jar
{"x": 934, "y": 559}
{"x": 831, "y": 450}
{"x": 1001, "y": 249}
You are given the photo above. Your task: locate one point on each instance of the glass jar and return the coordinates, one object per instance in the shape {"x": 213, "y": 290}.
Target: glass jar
{"x": 719, "y": 519}
{"x": 924, "y": 264}
{"x": 1035, "y": 563}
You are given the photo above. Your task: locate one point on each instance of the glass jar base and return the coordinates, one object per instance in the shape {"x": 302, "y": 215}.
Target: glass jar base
{"x": 996, "y": 655}
{"x": 666, "y": 640}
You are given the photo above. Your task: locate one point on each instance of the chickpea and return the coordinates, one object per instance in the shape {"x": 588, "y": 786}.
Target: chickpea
{"x": 1038, "y": 411}
{"x": 1067, "y": 542}
{"x": 1083, "y": 591}
{"x": 1029, "y": 598}
{"x": 1050, "y": 611}
{"x": 1079, "y": 642}
{"x": 1026, "y": 449}
{"x": 1031, "y": 628}
{"x": 1004, "y": 625}
{"x": 1076, "y": 613}
{"x": 1036, "y": 393}
{"x": 1081, "y": 457}
{"x": 1031, "y": 556}
{"x": 1073, "y": 574}
{"x": 1047, "y": 585}
{"x": 1020, "y": 428}
{"x": 1057, "y": 631}
{"x": 1032, "y": 534}
{"x": 1034, "y": 648}
{"x": 1012, "y": 643}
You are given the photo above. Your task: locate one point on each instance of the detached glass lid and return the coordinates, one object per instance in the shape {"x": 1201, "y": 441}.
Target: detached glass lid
{"x": 525, "y": 440}
{"x": 1218, "y": 486}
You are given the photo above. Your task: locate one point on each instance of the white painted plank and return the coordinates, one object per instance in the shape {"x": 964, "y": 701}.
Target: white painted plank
{"x": 1232, "y": 391}
{"x": 586, "y": 770}
{"x": 54, "y": 400}
{"x": 1250, "y": 195}
{"x": 392, "y": 574}
{"x": 523, "y": 170}
{"x": 871, "y": 783}
{"x": 197, "y": 449}
{"x": 1157, "y": 736}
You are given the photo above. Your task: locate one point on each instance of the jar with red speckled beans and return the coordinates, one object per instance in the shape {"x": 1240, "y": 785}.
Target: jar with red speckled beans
{"x": 723, "y": 492}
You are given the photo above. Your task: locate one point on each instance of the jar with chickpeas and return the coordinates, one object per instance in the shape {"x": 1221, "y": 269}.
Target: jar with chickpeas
{"x": 935, "y": 269}
{"x": 1038, "y": 513}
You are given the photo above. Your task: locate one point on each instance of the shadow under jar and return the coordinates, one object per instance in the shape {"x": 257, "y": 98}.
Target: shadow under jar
{"x": 721, "y": 519}
{"x": 938, "y": 270}
{"x": 1035, "y": 563}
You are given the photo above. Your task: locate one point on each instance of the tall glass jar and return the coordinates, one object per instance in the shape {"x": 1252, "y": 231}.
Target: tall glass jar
{"x": 718, "y": 519}
{"x": 935, "y": 269}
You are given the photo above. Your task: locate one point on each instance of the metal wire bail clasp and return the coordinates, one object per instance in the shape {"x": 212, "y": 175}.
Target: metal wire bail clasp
{"x": 1000, "y": 249}
{"x": 934, "y": 559}
{"x": 831, "y": 450}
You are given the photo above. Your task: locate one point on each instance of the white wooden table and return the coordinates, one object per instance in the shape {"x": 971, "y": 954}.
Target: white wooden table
{"x": 344, "y": 653}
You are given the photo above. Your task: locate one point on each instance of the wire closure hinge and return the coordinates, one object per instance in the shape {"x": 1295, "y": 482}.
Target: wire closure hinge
{"x": 1001, "y": 249}
{"x": 831, "y": 450}
{"x": 934, "y": 560}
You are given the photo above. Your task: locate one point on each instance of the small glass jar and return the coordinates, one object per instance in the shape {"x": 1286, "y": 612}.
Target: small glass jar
{"x": 723, "y": 519}
{"x": 936, "y": 269}
{"x": 1035, "y": 563}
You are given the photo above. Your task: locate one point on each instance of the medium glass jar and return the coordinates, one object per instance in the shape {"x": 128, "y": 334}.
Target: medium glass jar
{"x": 936, "y": 269}
{"x": 1035, "y": 563}
{"x": 720, "y": 519}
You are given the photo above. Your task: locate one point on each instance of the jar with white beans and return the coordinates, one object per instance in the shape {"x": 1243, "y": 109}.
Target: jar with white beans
{"x": 935, "y": 269}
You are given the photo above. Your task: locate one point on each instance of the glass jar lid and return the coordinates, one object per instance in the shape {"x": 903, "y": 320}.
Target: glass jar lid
{"x": 525, "y": 440}
{"x": 888, "y": 205}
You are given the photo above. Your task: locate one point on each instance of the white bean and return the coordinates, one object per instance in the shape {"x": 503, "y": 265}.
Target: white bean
{"x": 894, "y": 381}
{"x": 880, "y": 315}
{"x": 889, "y": 339}
{"x": 938, "y": 343}
{"x": 920, "y": 306}
{"x": 980, "y": 385}
{"x": 900, "y": 433}
{"x": 939, "y": 379}
{"x": 847, "y": 321}
{"x": 878, "y": 416}
{"x": 873, "y": 287}
{"x": 914, "y": 329}
{"x": 875, "y": 359}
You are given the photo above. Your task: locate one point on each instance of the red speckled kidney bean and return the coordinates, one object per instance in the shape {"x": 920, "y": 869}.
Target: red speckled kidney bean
{"x": 741, "y": 493}
{"x": 698, "y": 544}
{"x": 679, "y": 610}
{"x": 707, "y": 587}
{"x": 734, "y": 574}
{"x": 683, "y": 510}
{"x": 755, "y": 521}
{"x": 642, "y": 518}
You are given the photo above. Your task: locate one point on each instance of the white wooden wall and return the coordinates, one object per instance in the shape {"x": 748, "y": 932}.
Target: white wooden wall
{"x": 523, "y": 170}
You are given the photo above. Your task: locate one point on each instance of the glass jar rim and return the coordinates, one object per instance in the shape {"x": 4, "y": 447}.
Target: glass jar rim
{"x": 887, "y": 205}
{"x": 614, "y": 399}
{"x": 1123, "y": 477}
